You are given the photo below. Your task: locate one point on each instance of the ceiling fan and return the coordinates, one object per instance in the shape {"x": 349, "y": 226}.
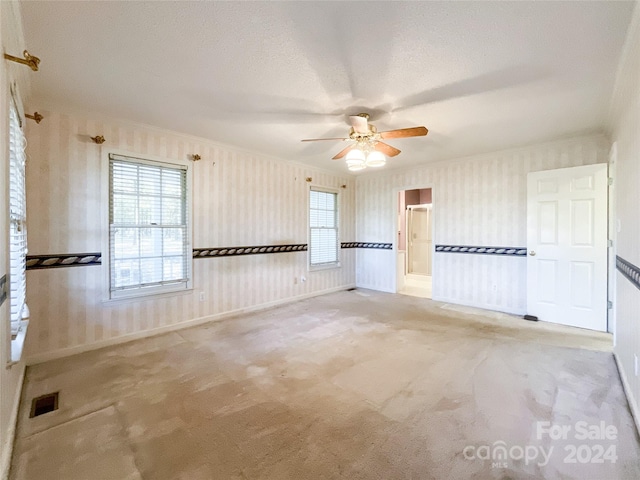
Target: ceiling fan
{"x": 368, "y": 150}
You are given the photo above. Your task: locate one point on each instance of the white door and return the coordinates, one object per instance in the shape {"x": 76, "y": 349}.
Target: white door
{"x": 419, "y": 240}
{"x": 567, "y": 246}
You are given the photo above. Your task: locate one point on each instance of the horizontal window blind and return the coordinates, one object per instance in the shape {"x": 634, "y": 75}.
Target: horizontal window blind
{"x": 148, "y": 233}
{"x": 17, "y": 219}
{"x": 323, "y": 226}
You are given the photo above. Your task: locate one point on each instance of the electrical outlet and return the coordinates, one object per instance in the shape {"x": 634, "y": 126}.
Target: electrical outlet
{"x": 202, "y": 296}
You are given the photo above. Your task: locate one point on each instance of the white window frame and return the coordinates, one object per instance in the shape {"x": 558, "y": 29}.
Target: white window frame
{"x": 328, "y": 265}
{"x": 18, "y": 312}
{"x": 139, "y": 293}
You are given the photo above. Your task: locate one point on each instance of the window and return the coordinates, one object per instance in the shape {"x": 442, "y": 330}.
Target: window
{"x": 149, "y": 238}
{"x": 323, "y": 227}
{"x": 17, "y": 220}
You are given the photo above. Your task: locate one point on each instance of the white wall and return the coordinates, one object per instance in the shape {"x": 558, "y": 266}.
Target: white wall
{"x": 477, "y": 201}
{"x": 10, "y": 377}
{"x": 625, "y": 132}
{"x": 244, "y": 199}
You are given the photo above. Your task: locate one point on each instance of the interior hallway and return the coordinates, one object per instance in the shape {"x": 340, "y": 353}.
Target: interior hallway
{"x": 354, "y": 385}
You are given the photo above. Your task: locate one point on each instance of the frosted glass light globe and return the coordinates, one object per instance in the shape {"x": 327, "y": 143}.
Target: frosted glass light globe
{"x": 376, "y": 159}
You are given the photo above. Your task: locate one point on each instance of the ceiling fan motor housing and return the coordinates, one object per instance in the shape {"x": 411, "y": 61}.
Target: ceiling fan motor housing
{"x": 373, "y": 132}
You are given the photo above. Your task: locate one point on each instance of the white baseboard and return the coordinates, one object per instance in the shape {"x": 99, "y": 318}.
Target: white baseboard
{"x": 66, "y": 352}
{"x": 484, "y": 306}
{"x": 633, "y": 406}
{"x": 9, "y": 439}
{"x": 371, "y": 287}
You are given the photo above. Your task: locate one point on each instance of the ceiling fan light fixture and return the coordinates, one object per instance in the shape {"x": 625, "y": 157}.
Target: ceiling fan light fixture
{"x": 355, "y": 160}
{"x": 355, "y": 155}
{"x": 376, "y": 159}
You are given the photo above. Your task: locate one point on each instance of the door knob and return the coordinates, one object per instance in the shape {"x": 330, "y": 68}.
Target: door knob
{"x": 532, "y": 253}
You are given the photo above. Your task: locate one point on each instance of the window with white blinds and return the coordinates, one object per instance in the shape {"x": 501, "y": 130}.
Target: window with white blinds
{"x": 148, "y": 227}
{"x": 17, "y": 219}
{"x": 323, "y": 227}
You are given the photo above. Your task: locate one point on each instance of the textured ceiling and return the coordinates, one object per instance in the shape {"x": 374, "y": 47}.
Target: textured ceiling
{"x": 481, "y": 76}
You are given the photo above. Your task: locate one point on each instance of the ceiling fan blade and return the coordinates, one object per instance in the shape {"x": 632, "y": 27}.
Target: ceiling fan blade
{"x": 388, "y": 150}
{"x": 405, "y": 132}
{"x": 343, "y": 152}
{"x": 320, "y": 139}
{"x": 359, "y": 123}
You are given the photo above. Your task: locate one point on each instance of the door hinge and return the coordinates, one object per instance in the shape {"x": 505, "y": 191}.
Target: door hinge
{"x": 610, "y": 243}
{"x": 609, "y": 304}
{"x": 610, "y": 181}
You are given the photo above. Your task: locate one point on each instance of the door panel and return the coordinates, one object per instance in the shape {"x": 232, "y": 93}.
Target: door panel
{"x": 547, "y": 281}
{"x": 582, "y": 284}
{"x": 567, "y": 244}
{"x": 548, "y": 223}
{"x": 582, "y": 226}
{"x": 582, "y": 183}
{"x": 547, "y": 185}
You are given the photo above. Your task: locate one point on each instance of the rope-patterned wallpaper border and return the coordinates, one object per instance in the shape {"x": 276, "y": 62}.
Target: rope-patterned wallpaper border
{"x": 480, "y": 250}
{"x": 36, "y": 262}
{"x": 252, "y": 250}
{"x": 4, "y": 289}
{"x": 379, "y": 246}
{"x": 629, "y": 270}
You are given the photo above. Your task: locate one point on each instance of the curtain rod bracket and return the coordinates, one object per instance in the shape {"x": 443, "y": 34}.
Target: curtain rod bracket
{"x": 36, "y": 116}
{"x": 28, "y": 60}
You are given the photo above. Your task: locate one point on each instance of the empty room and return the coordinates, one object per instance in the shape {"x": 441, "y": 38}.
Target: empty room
{"x": 319, "y": 240}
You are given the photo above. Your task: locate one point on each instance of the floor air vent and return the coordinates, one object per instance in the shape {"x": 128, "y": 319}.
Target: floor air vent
{"x": 44, "y": 404}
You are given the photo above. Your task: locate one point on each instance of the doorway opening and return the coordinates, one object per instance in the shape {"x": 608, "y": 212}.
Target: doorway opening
{"x": 415, "y": 242}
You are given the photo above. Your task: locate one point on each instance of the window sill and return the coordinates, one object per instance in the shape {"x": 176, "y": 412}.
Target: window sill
{"x": 17, "y": 344}
{"x": 146, "y": 296}
{"x": 328, "y": 266}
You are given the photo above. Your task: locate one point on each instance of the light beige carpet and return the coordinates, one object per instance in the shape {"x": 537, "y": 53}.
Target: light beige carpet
{"x": 352, "y": 386}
